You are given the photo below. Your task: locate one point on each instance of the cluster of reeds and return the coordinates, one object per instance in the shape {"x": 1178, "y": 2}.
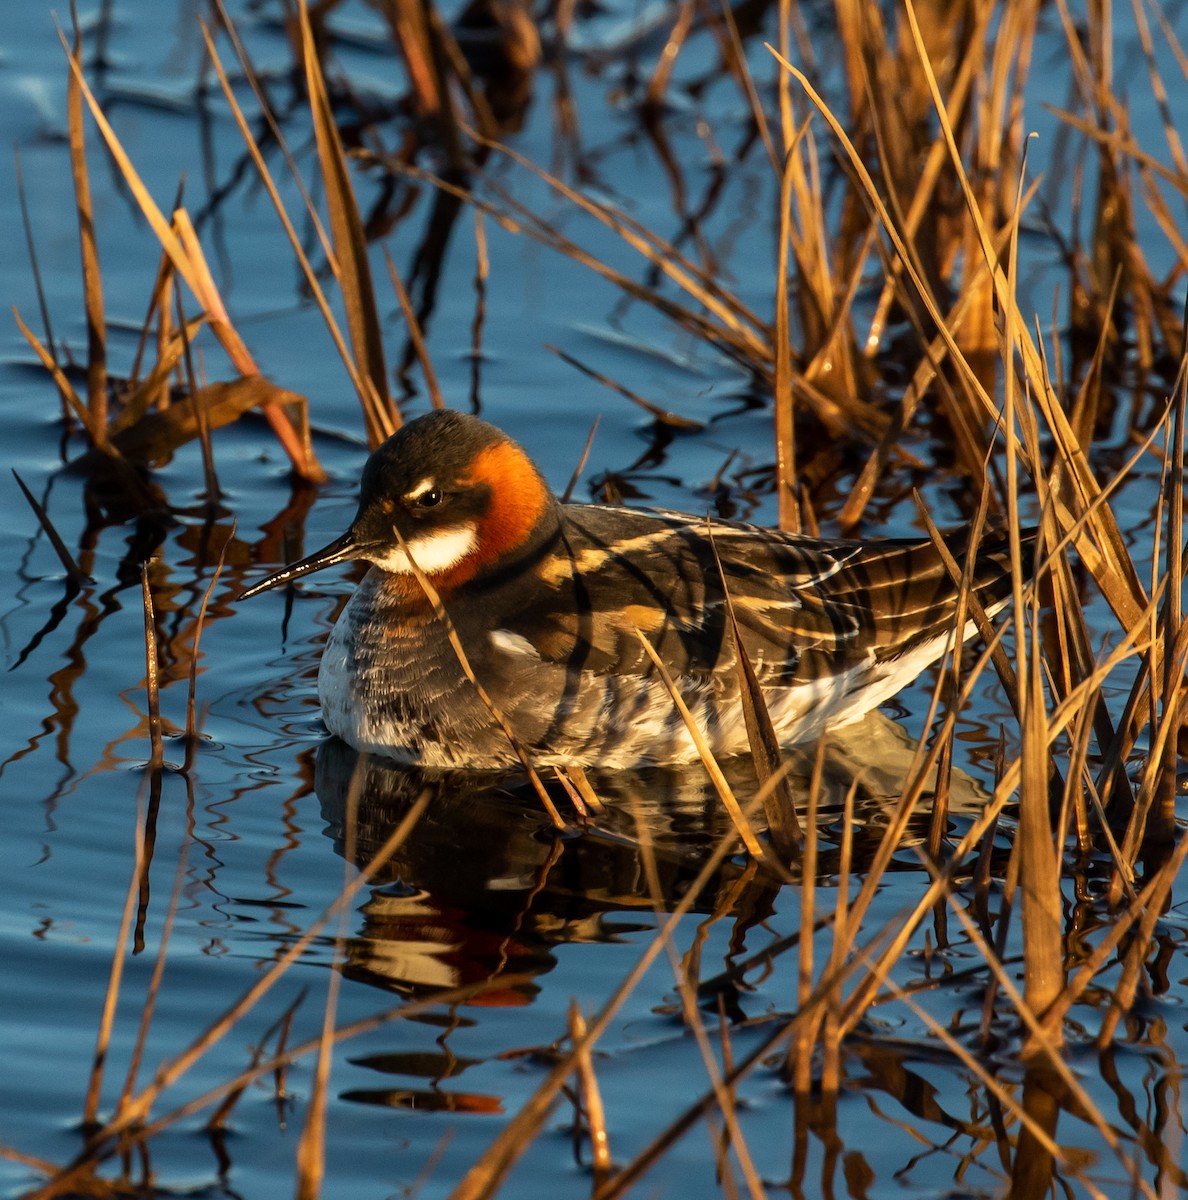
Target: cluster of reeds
{"x": 917, "y": 177}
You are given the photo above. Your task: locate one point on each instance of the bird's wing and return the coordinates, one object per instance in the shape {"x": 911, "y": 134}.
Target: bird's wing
{"x": 806, "y": 607}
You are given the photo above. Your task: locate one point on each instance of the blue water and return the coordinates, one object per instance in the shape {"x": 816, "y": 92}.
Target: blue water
{"x": 482, "y": 894}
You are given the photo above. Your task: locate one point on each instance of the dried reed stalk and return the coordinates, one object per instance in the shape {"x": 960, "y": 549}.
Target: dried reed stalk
{"x": 92, "y": 275}
{"x": 600, "y": 1154}
{"x": 354, "y": 270}
{"x": 721, "y": 786}
{"x": 182, "y": 248}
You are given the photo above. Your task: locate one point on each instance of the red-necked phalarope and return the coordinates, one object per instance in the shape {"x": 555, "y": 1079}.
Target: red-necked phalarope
{"x": 546, "y": 598}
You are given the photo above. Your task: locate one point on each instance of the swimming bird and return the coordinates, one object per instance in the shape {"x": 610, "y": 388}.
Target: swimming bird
{"x": 546, "y": 599}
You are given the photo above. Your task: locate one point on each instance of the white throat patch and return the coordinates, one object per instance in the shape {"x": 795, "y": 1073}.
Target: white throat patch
{"x": 435, "y": 552}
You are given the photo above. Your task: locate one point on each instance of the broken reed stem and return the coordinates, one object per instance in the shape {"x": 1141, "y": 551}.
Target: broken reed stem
{"x": 780, "y": 808}
{"x": 415, "y": 334}
{"x": 192, "y": 691}
{"x": 31, "y": 247}
{"x": 201, "y": 416}
{"x": 732, "y": 1135}
{"x": 116, "y": 974}
{"x": 486, "y": 1175}
{"x": 154, "y": 987}
{"x": 802, "y": 1046}
{"x": 151, "y": 686}
{"x": 74, "y": 573}
{"x": 311, "y": 1149}
{"x": 171, "y": 1070}
{"x": 567, "y": 495}
{"x": 600, "y": 1155}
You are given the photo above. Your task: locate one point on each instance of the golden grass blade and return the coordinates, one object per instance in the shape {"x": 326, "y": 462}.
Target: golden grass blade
{"x": 1039, "y": 863}
{"x": 1163, "y": 829}
{"x": 274, "y": 129}
{"x": 290, "y": 424}
{"x": 158, "y": 434}
{"x": 576, "y": 778}
{"x": 653, "y": 100}
{"x": 27, "y": 1160}
{"x": 408, "y": 20}
{"x": 350, "y": 245}
{"x": 575, "y": 794}
{"x": 518, "y": 219}
{"x": 1039, "y": 1037}
{"x": 92, "y": 275}
{"x": 926, "y": 373}
{"x": 97, "y": 433}
{"x": 1104, "y": 553}
{"x": 118, "y": 1137}
{"x": 161, "y": 227}
{"x": 735, "y": 56}
{"x": 725, "y": 794}
{"x": 701, "y": 287}
{"x": 631, "y": 1172}
{"x": 1156, "y": 895}
{"x": 213, "y": 491}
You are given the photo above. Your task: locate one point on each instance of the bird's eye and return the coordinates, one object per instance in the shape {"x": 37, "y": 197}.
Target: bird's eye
{"x": 429, "y": 499}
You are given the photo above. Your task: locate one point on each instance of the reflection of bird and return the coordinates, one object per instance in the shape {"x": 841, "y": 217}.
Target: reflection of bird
{"x": 546, "y": 599}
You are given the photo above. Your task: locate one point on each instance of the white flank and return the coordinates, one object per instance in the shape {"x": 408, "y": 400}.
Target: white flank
{"x": 437, "y": 552}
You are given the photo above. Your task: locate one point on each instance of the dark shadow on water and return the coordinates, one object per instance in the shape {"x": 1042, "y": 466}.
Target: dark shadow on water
{"x": 485, "y": 887}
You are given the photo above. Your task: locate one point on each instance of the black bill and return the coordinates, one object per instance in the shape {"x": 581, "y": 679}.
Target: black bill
{"x": 342, "y": 549}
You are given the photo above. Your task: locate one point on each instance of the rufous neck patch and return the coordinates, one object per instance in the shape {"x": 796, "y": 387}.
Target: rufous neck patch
{"x": 519, "y": 498}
